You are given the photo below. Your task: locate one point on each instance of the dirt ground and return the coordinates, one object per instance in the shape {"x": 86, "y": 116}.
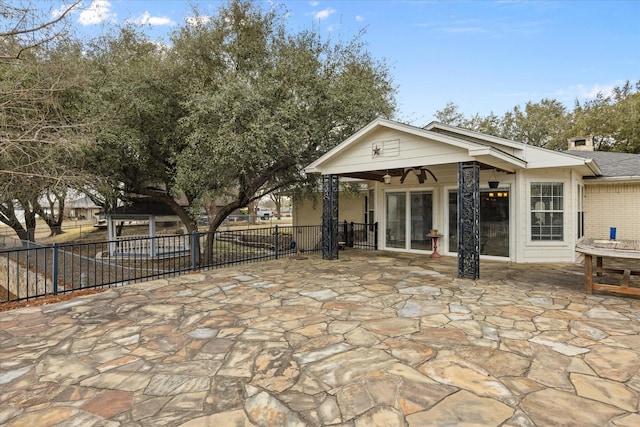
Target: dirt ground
{"x": 49, "y": 299}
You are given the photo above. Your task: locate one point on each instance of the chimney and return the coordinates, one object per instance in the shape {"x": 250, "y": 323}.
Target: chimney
{"x": 581, "y": 143}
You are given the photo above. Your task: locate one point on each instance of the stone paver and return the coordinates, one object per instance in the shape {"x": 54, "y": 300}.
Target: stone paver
{"x": 371, "y": 339}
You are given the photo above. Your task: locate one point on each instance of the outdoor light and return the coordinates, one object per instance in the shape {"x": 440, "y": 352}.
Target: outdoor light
{"x": 387, "y": 178}
{"x": 495, "y": 183}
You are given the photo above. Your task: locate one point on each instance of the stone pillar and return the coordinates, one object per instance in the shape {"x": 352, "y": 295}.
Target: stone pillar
{"x": 330, "y": 216}
{"x": 469, "y": 220}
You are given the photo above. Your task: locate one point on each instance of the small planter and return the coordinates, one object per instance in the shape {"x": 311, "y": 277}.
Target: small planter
{"x": 494, "y": 184}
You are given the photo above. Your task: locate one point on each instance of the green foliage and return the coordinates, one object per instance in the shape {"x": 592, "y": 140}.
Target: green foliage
{"x": 42, "y": 127}
{"x": 613, "y": 120}
{"x": 232, "y": 111}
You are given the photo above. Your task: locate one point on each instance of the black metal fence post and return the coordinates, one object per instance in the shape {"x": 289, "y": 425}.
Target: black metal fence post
{"x": 351, "y": 234}
{"x": 375, "y": 236}
{"x": 194, "y": 250}
{"x": 277, "y": 243}
{"x": 55, "y": 268}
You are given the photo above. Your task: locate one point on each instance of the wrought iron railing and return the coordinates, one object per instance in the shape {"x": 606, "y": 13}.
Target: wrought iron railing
{"x": 36, "y": 270}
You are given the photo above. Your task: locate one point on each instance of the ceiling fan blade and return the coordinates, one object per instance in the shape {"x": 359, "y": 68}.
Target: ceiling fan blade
{"x": 404, "y": 175}
{"x": 422, "y": 177}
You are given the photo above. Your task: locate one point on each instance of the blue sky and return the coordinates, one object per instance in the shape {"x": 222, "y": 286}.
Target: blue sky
{"x": 482, "y": 55}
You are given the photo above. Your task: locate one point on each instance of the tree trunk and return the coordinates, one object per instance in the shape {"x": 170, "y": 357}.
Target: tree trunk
{"x": 30, "y": 226}
{"x": 221, "y": 215}
{"x": 9, "y": 217}
{"x": 53, "y": 220}
{"x": 55, "y": 229}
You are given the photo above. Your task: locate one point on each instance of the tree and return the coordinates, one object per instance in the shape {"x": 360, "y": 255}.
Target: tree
{"x": 543, "y": 124}
{"x": 451, "y": 115}
{"x": 234, "y": 110}
{"x": 137, "y": 100}
{"x": 42, "y": 128}
{"x": 263, "y": 103}
{"x": 613, "y": 120}
{"x": 23, "y": 28}
{"x": 40, "y": 113}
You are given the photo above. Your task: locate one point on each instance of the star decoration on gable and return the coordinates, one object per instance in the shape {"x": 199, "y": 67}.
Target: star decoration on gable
{"x": 376, "y": 151}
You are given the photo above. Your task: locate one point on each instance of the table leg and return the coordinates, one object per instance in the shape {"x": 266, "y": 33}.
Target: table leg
{"x": 588, "y": 274}
{"x": 435, "y": 253}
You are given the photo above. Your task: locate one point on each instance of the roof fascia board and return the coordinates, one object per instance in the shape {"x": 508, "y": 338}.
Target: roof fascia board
{"x": 612, "y": 179}
{"x": 498, "y": 154}
{"x": 473, "y": 134}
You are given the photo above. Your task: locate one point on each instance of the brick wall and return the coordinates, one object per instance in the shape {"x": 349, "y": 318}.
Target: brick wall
{"x": 612, "y": 205}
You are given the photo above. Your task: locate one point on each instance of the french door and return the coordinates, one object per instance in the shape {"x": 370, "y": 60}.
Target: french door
{"x": 409, "y": 216}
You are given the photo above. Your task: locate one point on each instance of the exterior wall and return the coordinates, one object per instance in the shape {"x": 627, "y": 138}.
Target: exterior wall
{"x": 408, "y": 150}
{"x": 308, "y": 212}
{"x": 522, "y": 248}
{"x": 612, "y": 205}
{"x": 545, "y": 251}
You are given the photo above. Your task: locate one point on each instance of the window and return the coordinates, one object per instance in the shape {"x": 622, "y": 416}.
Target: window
{"x": 580, "y": 211}
{"x": 547, "y": 211}
{"x": 369, "y": 210}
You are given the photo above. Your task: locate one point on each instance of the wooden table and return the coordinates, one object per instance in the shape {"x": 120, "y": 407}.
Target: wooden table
{"x": 601, "y": 248}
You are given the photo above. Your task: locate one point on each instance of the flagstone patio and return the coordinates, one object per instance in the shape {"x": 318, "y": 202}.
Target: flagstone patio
{"x": 370, "y": 339}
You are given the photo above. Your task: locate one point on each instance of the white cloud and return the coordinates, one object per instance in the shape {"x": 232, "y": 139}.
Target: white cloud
{"x": 314, "y": 3}
{"x": 463, "y": 29}
{"x": 147, "y": 19}
{"x": 359, "y": 18}
{"x": 97, "y": 12}
{"x": 324, "y": 14}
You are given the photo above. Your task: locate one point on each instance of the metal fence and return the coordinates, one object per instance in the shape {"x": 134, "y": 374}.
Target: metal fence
{"x": 36, "y": 270}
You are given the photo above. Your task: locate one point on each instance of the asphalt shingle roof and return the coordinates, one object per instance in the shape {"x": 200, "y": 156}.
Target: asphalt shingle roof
{"x": 612, "y": 164}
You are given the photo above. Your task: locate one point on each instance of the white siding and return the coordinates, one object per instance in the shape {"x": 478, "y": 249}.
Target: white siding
{"x": 543, "y": 251}
{"x": 413, "y": 151}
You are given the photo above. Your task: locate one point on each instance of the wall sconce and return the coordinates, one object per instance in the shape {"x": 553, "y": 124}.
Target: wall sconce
{"x": 387, "y": 179}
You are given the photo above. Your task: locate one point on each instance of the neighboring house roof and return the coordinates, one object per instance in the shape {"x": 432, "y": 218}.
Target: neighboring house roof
{"x": 614, "y": 166}
{"x": 83, "y": 202}
{"x": 463, "y": 145}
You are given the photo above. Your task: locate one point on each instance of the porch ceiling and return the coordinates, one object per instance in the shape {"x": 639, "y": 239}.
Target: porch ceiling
{"x": 378, "y": 175}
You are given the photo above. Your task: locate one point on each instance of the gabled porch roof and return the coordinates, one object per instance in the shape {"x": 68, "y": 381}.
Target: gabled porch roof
{"x": 388, "y": 147}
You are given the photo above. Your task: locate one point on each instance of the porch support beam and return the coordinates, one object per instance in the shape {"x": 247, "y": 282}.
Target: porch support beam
{"x": 469, "y": 220}
{"x": 330, "y": 187}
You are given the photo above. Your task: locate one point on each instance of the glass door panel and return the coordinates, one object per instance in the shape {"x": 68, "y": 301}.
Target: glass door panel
{"x": 494, "y": 222}
{"x": 453, "y": 221}
{"x": 396, "y": 220}
{"x": 421, "y": 220}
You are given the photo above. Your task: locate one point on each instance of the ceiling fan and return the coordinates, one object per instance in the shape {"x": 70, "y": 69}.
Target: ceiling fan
{"x": 420, "y": 172}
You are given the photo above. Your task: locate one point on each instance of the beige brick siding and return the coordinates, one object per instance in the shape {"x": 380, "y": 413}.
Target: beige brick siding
{"x": 612, "y": 205}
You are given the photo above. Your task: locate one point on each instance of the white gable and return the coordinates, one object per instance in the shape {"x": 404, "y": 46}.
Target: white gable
{"x": 385, "y": 144}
